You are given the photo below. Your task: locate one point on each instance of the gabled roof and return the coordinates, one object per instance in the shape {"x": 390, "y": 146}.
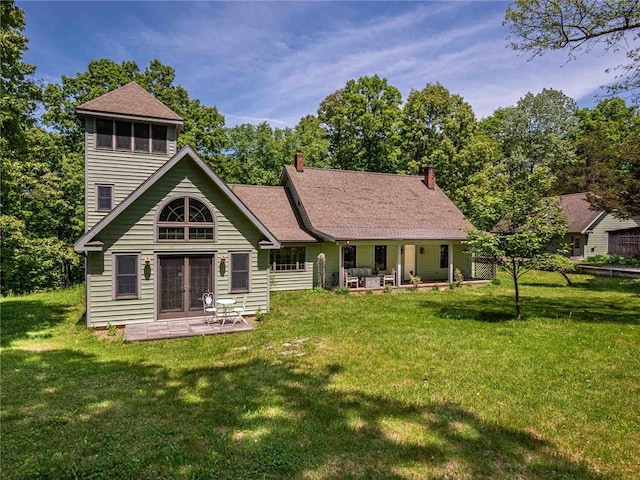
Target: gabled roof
{"x": 130, "y": 100}
{"x": 275, "y": 210}
{"x": 88, "y": 243}
{"x": 348, "y": 205}
{"x": 579, "y": 213}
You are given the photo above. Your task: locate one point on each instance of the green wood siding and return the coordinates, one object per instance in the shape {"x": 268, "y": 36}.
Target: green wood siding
{"x": 597, "y": 242}
{"x": 124, "y": 170}
{"x": 133, "y": 231}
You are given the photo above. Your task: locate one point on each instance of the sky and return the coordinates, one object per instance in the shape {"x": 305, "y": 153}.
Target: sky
{"x": 277, "y": 61}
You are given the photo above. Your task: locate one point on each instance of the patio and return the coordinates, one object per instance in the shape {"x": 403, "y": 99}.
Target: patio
{"x": 189, "y": 327}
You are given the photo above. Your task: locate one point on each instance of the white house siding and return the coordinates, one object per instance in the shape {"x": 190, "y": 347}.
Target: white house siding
{"x": 124, "y": 170}
{"x": 133, "y": 232}
{"x": 597, "y": 242}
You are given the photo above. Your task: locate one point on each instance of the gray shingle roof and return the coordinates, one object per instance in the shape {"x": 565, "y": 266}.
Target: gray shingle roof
{"x": 273, "y": 207}
{"x": 578, "y": 211}
{"x": 130, "y": 99}
{"x": 348, "y": 205}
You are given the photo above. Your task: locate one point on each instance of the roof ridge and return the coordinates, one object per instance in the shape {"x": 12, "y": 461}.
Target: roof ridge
{"x": 341, "y": 170}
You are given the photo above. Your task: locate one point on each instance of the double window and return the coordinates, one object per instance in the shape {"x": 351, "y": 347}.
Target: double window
{"x": 126, "y": 276}
{"x": 185, "y": 218}
{"x": 131, "y": 136}
{"x": 240, "y": 268}
{"x": 288, "y": 259}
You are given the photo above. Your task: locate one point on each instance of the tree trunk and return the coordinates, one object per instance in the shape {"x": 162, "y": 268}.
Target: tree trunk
{"x": 518, "y": 314}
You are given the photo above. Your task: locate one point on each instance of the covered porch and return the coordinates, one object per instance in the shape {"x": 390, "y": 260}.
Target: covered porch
{"x": 432, "y": 261}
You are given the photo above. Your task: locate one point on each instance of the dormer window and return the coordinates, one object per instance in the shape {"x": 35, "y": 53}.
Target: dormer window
{"x": 131, "y": 136}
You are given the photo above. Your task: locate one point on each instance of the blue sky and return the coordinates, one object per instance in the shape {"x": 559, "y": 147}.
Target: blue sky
{"x": 276, "y": 61}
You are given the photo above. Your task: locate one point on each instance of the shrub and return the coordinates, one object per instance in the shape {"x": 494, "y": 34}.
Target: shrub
{"x": 458, "y": 278}
{"x": 415, "y": 281}
{"x": 341, "y": 291}
{"x": 496, "y": 281}
{"x": 387, "y": 289}
{"x": 435, "y": 288}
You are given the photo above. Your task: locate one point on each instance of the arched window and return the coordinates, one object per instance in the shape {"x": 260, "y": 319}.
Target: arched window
{"x": 185, "y": 219}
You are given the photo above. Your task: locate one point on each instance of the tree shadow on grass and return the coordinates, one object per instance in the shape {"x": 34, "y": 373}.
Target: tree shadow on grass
{"x": 583, "y": 308}
{"x": 25, "y": 319}
{"x": 77, "y": 417}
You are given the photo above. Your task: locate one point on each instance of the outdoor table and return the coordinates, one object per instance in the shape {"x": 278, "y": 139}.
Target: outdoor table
{"x": 225, "y": 304}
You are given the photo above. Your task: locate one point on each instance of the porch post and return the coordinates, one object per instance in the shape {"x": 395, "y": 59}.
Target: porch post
{"x": 450, "y": 263}
{"x": 340, "y": 266}
{"x": 399, "y": 266}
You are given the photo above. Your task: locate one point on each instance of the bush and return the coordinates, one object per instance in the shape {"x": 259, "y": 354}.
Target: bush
{"x": 435, "y": 288}
{"x": 458, "y": 278}
{"x": 387, "y": 289}
{"x": 341, "y": 291}
{"x": 613, "y": 260}
{"x": 496, "y": 281}
{"x": 415, "y": 281}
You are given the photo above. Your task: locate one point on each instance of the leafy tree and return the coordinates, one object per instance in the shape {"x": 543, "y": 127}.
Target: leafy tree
{"x": 608, "y": 146}
{"x": 257, "y": 153}
{"x": 312, "y": 140}
{"x": 37, "y": 184}
{"x": 440, "y": 129}
{"x": 537, "y": 132}
{"x": 203, "y": 125}
{"x": 578, "y": 26}
{"x": 361, "y": 121}
{"x": 19, "y": 92}
{"x": 530, "y": 226}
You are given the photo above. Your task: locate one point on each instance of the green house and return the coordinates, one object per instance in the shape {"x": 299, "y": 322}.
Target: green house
{"x": 162, "y": 228}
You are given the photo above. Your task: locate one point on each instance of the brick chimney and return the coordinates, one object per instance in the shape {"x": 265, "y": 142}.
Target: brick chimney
{"x": 429, "y": 177}
{"x": 298, "y": 162}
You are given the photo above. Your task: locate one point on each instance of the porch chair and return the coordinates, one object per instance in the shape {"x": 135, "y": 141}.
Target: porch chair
{"x": 239, "y": 311}
{"x": 389, "y": 277}
{"x": 207, "y": 307}
{"x": 349, "y": 280}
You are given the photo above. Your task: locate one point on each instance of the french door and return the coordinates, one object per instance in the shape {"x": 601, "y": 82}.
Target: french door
{"x": 182, "y": 281}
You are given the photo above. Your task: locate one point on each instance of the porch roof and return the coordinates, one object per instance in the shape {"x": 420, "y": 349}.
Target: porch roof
{"x": 350, "y": 205}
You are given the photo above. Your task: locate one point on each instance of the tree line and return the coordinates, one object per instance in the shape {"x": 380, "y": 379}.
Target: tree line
{"x": 544, "y": 145}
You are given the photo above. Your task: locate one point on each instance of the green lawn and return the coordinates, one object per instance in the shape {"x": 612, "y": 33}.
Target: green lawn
{"x": 424, "y": 384}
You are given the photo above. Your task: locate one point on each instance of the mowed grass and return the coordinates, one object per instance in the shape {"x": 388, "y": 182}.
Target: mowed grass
{"x": 408, "y": 385}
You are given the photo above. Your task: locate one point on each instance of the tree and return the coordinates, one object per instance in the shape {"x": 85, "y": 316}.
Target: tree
{"x": 19, "y": 92}
{"x": 537, "y": 132}
{"x": 608, "y": 146}
{"x": 440, "y": 129}
{"x": 37, "y": 188}
{"x": 203, "y": 126}
{"x": 311, "y": 139}
{"x": 257, "y": 153}
{"x": 361, "y": 121}
{"x": 530, "y": 226}
{"x": 578, "y": 26}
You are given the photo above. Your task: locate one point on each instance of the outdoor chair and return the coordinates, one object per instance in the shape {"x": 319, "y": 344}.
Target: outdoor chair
{"x": 239, "y": 311}
{"x": 349, "y": 280}
{"x": 389, "y": 277}
{"x": 208, "y": 309}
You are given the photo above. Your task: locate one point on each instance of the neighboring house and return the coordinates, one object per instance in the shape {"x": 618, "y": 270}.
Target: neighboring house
{"x": 588, "y": 229}
{"x": 162, "y": 228}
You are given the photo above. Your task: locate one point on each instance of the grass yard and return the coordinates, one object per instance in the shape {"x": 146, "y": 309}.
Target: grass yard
{"x": 408, "y": 385}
